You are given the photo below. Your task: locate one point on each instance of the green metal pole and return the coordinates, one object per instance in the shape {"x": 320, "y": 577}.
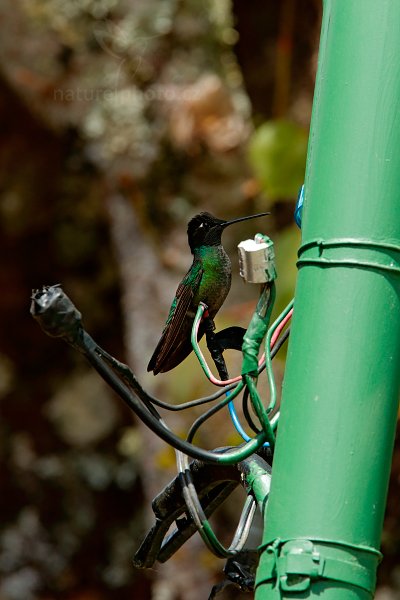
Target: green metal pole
{"x": 340, "y": 398}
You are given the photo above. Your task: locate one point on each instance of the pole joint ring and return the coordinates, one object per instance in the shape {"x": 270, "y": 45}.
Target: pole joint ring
{"x": 359, "y": 253}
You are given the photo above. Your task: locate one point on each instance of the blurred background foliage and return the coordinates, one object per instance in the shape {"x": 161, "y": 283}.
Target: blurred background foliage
{"x": 120, "y": 119}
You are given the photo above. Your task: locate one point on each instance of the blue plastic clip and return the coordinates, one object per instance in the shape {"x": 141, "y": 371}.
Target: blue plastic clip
{"x": 299, "y": 207}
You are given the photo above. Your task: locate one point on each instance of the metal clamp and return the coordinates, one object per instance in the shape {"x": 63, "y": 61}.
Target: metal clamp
{"x": 298, "y": 565}
{"x": 295, "y": 564}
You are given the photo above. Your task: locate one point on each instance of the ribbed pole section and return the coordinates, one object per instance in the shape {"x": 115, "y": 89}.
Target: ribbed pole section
{"x": 340, "y": 397}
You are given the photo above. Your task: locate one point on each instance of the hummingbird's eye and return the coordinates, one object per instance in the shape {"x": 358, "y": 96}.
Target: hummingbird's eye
{"x": 201, "y": 225}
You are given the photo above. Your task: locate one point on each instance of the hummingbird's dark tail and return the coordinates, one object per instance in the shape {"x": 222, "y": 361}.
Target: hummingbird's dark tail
{"x": 167, "y": 356}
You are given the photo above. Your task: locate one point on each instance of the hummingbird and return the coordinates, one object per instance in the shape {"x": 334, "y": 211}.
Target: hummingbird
{"x": 208, "y": 280}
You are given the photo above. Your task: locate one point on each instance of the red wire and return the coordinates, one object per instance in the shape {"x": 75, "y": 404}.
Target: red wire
{"x": 280, "y": 327}
{"x": 274, "y": 339}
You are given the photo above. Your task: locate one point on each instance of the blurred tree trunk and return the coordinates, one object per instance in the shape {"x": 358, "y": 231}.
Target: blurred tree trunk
{"x": 131, "y": 113}
{"x": 61, "y": 474}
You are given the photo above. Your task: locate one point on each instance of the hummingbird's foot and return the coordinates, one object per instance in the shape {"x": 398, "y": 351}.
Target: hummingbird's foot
{"x": 215, "y": 348}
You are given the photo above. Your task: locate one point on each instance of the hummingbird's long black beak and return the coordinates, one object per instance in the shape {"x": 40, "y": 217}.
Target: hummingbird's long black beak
{"x": 226, "y": 223}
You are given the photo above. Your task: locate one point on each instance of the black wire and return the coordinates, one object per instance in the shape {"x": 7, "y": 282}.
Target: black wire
{"x": 192, "y": 403}
{"x": 278, "y": 345}
{"x": 205, "y": 416}
{"x": 58, "y": 317}
{"x": 151, "y": 418}
{"x": 131, "y": 381}
{"x": 245, "y": 401}
{"x": 246, "y": 412}
{"x": 176, "y": 407}
{"x": 212, "y": 411}
{"x": 91, "y": 350}
{"x": 219, "y": 361}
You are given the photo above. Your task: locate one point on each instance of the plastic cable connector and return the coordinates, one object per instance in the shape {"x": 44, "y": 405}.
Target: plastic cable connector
{"x": 257, "y": 259}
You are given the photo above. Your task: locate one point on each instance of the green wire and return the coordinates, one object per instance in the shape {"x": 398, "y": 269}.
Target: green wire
{"x": 265, "y": 304}
{"x": 251, "y": 347}
{"x": 203, "y": 525}
{"x": 268, "y": 358}
{"x": 149, "y": 416}
{"x": 193, "y": 338}
{"x": 260, "y": 410}
{"x": 233, "y": 457}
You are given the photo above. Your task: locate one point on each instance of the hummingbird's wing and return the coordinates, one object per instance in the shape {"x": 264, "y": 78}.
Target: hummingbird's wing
{"x": 175, "y": 344}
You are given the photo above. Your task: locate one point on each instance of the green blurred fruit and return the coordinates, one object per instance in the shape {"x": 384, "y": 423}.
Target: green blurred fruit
{"x": 277, "y": 154}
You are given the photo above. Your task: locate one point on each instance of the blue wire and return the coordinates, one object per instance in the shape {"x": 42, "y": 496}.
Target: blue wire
{"x": 232, "y": 411}
{"x": 237, "y": 424}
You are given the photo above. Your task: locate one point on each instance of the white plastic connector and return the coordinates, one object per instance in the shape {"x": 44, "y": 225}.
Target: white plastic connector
{"x": 257, "y": 260}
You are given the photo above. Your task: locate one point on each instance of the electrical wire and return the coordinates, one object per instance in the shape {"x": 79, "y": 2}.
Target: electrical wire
{"x": 153, "y": 420}
{"x": 200, "y": 356}
{"x": 259, "y": 408}
{"x": 273, "y": 332}
{"x": 275, "y": 342}
{"x": 246, "y": 412}
{"x": 256, "y": 332}
{"x": 236, "y": 423}
{"x": 203, "y": 526}
{"x": 286, "y": 317}
{"x": 245, "y": 401}
{"x": 203, "y": 363}
{"x": 212, "y": 411}
{"x": 196, "y": 511}
{"x": 245, "y": 521}
{"x": 277, "y": 328}
{"x": 265, "y": 303}
{"x": 58, "y": 317}
{"x": 281, "y": 340}
{"x": 130, "y": 380}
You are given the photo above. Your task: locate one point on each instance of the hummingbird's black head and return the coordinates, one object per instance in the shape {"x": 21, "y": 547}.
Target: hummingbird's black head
{"x": 205, "y": 229}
